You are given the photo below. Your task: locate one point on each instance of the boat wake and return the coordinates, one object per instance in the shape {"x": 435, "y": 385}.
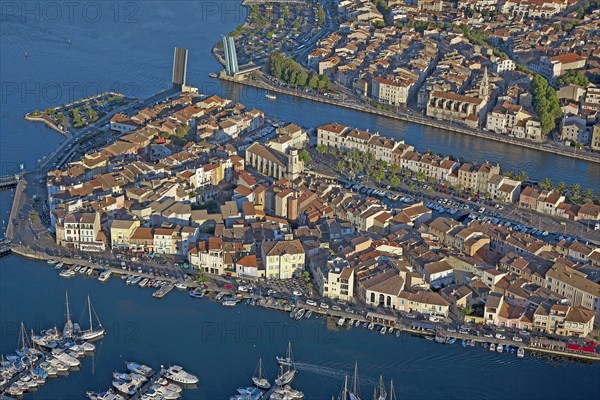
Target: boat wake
{"x": 330, "y": 372}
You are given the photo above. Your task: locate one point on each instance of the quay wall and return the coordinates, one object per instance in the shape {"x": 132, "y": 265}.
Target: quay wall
{"x": 415, "y": 120}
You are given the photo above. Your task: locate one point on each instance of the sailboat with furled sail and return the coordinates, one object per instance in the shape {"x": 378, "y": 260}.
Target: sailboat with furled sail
{"x": 260, "y": 379}
{"x": 287, "y": 371}
{"x": 392, "y": 391}
{"x": 69, "y": 327}
{"x": 380, "y": 394}
{"x": 354, "y": 395}
{"x": 93, "y": 333}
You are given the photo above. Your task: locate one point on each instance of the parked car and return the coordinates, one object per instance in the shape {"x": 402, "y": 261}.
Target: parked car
{"x": 324, "y": 305}
{"x": 517, "y": 339}
{"x": 335, "y": 308}
{"x": 311, "y": 303}
{"x": 500, "y": 336}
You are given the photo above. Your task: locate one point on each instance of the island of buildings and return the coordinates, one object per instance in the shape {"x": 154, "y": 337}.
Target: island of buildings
{"x": 189, "y": 180}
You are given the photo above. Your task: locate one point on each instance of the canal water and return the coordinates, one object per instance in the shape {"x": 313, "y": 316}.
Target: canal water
{"x": 57, "y": 52}
{"x": 222, "y": 346}
{"x": 53, "y": 54}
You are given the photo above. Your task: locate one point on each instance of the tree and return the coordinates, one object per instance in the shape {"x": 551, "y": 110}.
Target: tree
{"x": 313, "y": 83}
{"x": 395, "y": 181}
{"x": 545, "y": 103}
{"x": 546, "y": 184}
{"x": 587, "y": 195}
{"x": 182, "y": 130}
{"x": 393, "y": 168}
{"x": 573, "y": 77}
{"x": 303, "y": 155}
{"x": 340, "y": 165}
{"x": 421, "y": 176}
{"x": 522, "y": 176}
{"x": 202, "y": 278}
{"x": 466, "y": 310}
{"x": 561, "y": 188}
{"x": 321, "y": 149}
{"x": 575, "y": 191}
{"x": 378, "y": 175}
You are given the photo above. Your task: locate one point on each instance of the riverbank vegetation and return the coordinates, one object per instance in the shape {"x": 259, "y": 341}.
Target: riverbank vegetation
{"x": 545, "y": 103}
{"x": 287, "y": 70}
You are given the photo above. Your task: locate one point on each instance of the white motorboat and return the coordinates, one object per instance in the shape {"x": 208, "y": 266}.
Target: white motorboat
{"x": 143, "y": 282}
{"x": 521, "y": 352}
{"x": 104, "y": 276}
{"x": 341, "y": 321}
{"x": 181, "y": 286}
{"x": 179, "y": 375}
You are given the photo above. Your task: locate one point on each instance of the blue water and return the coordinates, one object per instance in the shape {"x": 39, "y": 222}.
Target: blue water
{"x": 222, "y": 346}
{"x": 128, "y": 47}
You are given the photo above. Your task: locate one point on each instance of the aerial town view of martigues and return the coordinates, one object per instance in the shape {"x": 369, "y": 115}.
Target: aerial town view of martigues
{"x": 300, "y": 199}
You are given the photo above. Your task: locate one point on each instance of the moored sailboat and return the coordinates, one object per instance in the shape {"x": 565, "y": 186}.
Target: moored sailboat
{"x": 93, "y": 333}
{"x": 260, "y": 379}
{"x": 288, "y": 369}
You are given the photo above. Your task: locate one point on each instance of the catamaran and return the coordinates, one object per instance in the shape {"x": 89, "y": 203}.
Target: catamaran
{"x": 259, "y": 378}
{"x": 93, "y": 333}
{"x": 288, "y": 369}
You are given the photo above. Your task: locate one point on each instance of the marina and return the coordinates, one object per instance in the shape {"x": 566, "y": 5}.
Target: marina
{"x": 212, "y": 328}
{"x": 50, "y": 354}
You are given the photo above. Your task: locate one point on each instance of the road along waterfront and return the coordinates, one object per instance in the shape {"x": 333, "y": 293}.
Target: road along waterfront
{"x": 586, "y": 156}
{"x": 209, "y": 339}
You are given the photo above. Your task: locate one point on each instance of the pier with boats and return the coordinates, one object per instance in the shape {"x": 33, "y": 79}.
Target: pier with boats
{"x": 49, "y": 354}
{"x": 144, "y": 383}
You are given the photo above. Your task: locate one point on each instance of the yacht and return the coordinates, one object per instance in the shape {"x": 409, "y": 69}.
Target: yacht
{"x": 104, "y": 276}
{"x": 383, "y": 330}
{"x": 492, "y": 347}
{"x": 197, "y": 294}
{"x": 144, "y": 282}
{"x": 308, "y": 314}
{"x": 140, "y": 369}
{"x": 169, "y": 385}
{"x": 260, "y": 379}
{"x": 341, "y": 321}
{"x": 52, "y": 262}
{"x": 179, "y": 375}
{"x": 62, "y": 356}
{"x": 230, "y": 301}
{"x": 270, "y": 96}
{"x": 499, "y": 348}
{"x": 521, "y": 352}
{"x": 161, "y": 392}
{"x": 58, "y": 364}
{"x": 181, "y": 286}
{"x": 90, "y": 271}
{"x": 300, "y": 314}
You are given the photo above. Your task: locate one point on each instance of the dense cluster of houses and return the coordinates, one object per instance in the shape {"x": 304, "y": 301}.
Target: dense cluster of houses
{"x": 230, "y": 209}
{"x": 452, "y": 77}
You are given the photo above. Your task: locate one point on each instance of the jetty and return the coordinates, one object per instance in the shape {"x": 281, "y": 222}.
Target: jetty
{"x": 9, "y": 182}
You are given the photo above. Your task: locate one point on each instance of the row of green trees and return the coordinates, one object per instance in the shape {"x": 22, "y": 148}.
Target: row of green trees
{"x": 573, "y": 192}
{"x": 573, "y": 78}
{"x": 365, "y": 163}
{"x": 545, "y": 103}
{"x": 289, "y": 71}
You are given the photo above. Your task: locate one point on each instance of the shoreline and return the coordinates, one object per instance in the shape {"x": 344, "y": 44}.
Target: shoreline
{"x": 48, "y": 123}
{"x": 268, "y": 303}
{"x": 415, "y": 120}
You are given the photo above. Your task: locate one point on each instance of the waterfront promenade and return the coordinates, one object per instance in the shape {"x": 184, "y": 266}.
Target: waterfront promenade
{"x": 545, "y": 147}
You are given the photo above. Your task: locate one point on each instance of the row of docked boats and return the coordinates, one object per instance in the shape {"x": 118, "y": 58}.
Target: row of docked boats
{"x": 143, "y": 382}
{"x": 499, "y": 348}
{"x": 70, "y": 270}
{"x": 163, "y": 287}
{"x": 299, "y": 313}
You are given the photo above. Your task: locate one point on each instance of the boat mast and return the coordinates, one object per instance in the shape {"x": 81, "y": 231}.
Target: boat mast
{"x": 355, "y": 380}
{"x": 67, "y": 302}
{"x": 90, "y": 311}
{"x": 392, "y": 392}
{"x": 382, "y": 393}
